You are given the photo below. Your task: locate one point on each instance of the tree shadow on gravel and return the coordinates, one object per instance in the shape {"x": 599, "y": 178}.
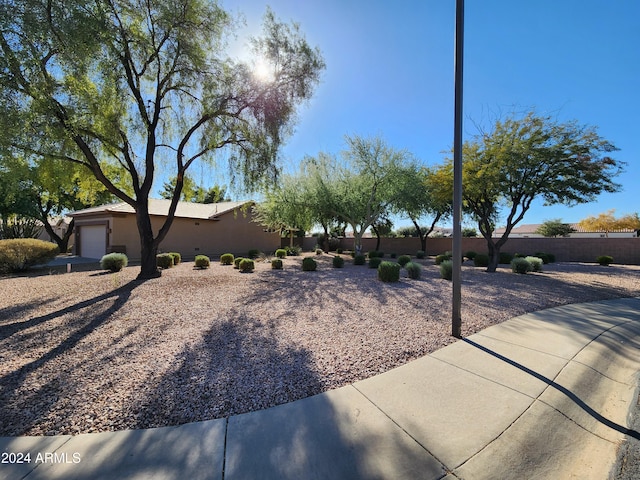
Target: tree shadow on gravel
{"x": 21, "y": 408}
{"x": 237, "y": 366}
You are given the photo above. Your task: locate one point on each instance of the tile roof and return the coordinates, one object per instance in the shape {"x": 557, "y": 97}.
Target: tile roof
{"x": 158, "y": 207}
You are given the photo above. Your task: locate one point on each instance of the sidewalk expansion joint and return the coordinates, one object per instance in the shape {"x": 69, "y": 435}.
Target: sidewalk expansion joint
{"x": 224, "y": 449}
{"x": 445, "y": 467}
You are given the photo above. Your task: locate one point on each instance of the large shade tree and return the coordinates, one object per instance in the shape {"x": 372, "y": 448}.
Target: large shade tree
{"x": 131, "y": 83}
{"x": 531, "y": 157}
{"x": 607, "y": 222}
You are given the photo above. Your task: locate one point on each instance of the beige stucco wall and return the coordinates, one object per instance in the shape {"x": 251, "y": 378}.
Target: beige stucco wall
{"x": 190, "y": 237}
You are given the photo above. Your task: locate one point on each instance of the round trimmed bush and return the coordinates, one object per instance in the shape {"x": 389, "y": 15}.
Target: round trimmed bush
{"x": 414, "y": 270}
{"x": 389, "y": 271}
{"x": 319, "y": 251}
{"x": 359, "y": 260}
{"x": 546, "y": 257}
{"x": 114, "y": 262}
{"x": 293, "y": 251}
{"x": 253, "y": 253}
{"x": 18, "y": 254}
{"x": 309, "y": 264}
{"x": 164, "y": 260}
{"x": 505, "y": 258}
{"x": 420, "y": 254}
{"x": 246, "y": 265}
{"x": 441, "y": 258}
{"x": 404, "y": 259}
{"x": 446, "y": 270}
{"x": 276, "y": 264}
{"x": 227, "y": 259}
{"x": 338, "y": 262}
{"x": 535, "y": 262}
{"x": 339, "y": 250}
{"x": 202, "y": 261}
{"x": 281, "y": 253}
{"x": 520, "y": 265}
{"x": 393, "y": 255}
{"x": 481, "y": 260}
{"x": 470, "y": 254}
{"x": 177, "y": 258}
{"x": 374, "y": 262}
{"x": 236, "y": 262}
{"x": 605, "y": 260}
{"x": 373, "y": 254}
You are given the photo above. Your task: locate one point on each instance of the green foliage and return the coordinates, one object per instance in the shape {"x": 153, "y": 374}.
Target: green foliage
{"x": 555, "y": 228}
{"x": 319, "y": 251}
{"x": 441, "y": 258}
{"x": 236, "y": 262}
{"x": 414, "y": 270}
{"x": 359, "y": 260}
{"x": 253, "y": 254}
{"x": 164, "y": 260}
{"x": 520, "y": 265}
{"x": 20, "y": 254}
{"x": 177, "y": 258}
{"x": 309, "y": 264}
{"x": 389, "y": 271}
{"x": 276, "y": 264}
{"x": 281, "y": 253}
{"x": 446, "y": 269}
{"x": 114, "y": 262}
{"x": 546, "y": 257}
{"x": 374, "y": 262}
{"x": 202, "y": 261}
{"x": 420, "y": 254}
{"x": 404, "y": 259}
{"x": 372, "y": 254}
{"x": 469, "y": 232}
{"x": 227, "y": 259}
{"x": 338, "y": 261}
{"x": 481, "y": 260}
{"x": 194, "y": 193}
{"x": 604, "y": 260}
{"x": 393, "y": 255}
{"x": 246, "y": 265}
{"x": 505, "y": 258}
{"x": 535, "y": 262}
{"x": 470, "y": 254}
{"x": 293, "y": 251}
{"x": 339, "y": 250}
{"x": 16, "y": 226}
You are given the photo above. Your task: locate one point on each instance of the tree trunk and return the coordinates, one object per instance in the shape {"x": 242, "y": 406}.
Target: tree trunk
{"x": 148, "y": 245}
{"x": 375, "y": 230}
{"x": 494, "y": 256}
{"x": 357, "y": 241}
{"x": 422, "y": 235}
{"x": 63, "y": 242}
{"x": 325, "y": 240}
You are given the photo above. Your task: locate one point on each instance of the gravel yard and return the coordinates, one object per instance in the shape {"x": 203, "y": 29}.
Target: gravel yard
{"x": 90, "y": 351}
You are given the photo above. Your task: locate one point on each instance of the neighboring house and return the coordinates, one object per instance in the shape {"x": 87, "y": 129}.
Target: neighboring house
{"x": 529, "y": 231}
{"x": 209, "y": 229}
{"x": 60, "y": 225}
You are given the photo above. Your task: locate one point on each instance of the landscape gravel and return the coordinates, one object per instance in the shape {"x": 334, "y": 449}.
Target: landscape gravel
{"x": 90, "y": 351}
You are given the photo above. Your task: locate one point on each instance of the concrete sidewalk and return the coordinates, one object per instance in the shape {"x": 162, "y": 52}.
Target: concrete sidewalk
{"x": 544, "y": 395}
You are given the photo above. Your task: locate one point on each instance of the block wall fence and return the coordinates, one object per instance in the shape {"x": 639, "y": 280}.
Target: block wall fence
{"x": 623, "y": 250}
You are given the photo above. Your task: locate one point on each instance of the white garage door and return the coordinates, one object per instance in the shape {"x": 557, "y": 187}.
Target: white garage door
{"x": 93, "y": 241}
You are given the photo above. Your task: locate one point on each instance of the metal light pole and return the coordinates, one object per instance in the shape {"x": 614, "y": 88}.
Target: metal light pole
{"x": 456, "y": 319}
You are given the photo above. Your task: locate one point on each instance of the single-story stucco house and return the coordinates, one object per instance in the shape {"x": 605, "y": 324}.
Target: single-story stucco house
{"x": 208, "y": 229}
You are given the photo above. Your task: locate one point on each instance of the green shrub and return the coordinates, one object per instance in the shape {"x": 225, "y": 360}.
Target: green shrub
{"x": 535, "y": 262}
{"x": 446, "y": 270}
{"x": 420, "y": 254}
{"x": 276, "y": 264}
{"x": 164, "y": 260}
{"x": 481, "y": 260}
{"x": 393, "y": 255}
{"x": 236, "y": 262}
{"x": 442, "y": 258}
{"x": 114, "y": 262}
{"x": 246, "y": 265}
{"x": 546, "y": 257}
{"x": 359, "y": 260}
{"x": 404, "y": 259}
{"x": 470, "y": 254}
{"x": 293, "y": 251}
{"x": 374, "y": 262}
{"x": 18, "y": 254}
{"x": 604, "y": 260}
{"x": 505, "y": 258}
{"x": 202, "y": 261}
{"x": 319, "y": 251}
{"x": 177, "y": 258}
{"x": 520, "y": 265}
{"x": 389, "y": 271}
{"x": 227, "y": 259}
{"x": 309, "y": 264}
{"x": 281, "y": 253}
{"x": 414, "y": 270}
{"x": 338, "y": 262}
{"x": 339, "y": 250}
{"x": 253, "y": 253}
{"x": 373, "y": 254}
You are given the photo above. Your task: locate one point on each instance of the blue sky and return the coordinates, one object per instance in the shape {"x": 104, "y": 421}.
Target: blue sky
{"x": 390, "y": 73}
